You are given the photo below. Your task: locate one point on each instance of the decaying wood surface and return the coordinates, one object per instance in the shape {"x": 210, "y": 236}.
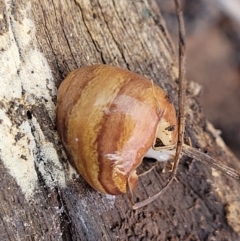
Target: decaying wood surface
{"x": 41, "y": 196}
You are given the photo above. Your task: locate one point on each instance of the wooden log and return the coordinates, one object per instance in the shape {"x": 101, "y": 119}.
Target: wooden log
{"x": 41, "y": 196}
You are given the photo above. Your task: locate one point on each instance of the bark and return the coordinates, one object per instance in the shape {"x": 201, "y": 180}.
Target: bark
{"x": 41, "y": 196}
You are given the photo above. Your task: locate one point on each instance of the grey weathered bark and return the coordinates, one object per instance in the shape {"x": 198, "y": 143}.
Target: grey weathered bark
{"x": 41, "y": 197}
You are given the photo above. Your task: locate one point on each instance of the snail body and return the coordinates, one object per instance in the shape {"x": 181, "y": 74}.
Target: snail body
{"x": 108, "y": 118}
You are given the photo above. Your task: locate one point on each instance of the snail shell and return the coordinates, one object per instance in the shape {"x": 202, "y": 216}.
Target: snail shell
{"x": 108, "y": 118}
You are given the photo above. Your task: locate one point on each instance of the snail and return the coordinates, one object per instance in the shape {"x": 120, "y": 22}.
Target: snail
{"x": 108, "y": 118}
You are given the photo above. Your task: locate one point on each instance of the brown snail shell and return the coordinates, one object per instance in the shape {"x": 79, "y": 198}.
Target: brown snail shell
{"x": 108, "y": 118}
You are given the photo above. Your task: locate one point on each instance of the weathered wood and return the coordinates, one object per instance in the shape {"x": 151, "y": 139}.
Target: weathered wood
{"x": 41, "y": 196}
